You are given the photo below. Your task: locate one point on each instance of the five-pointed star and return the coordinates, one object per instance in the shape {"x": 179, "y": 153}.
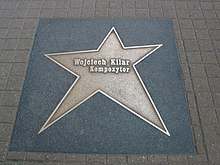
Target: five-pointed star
{"x": 126, "y": 89}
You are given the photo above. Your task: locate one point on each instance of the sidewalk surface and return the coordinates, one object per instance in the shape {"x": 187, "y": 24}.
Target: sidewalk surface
{"x": 197, "y": 29}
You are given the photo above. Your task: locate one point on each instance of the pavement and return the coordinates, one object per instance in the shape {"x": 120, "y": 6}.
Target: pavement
{"x": 197, "y": 30}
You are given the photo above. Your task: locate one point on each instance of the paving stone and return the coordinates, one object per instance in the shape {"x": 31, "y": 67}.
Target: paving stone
{"x": 182, "y": 13}
{"x": 88, "y": 4}
{"x": 13, "y": 33}
{"x": 75, "y": 157}
{"x": 207, "y": 116}
{"x": 196, "y": 14}
{"x": 5, "y": 23}
{"x": 200, "y": 84}
{"x": 202, "y": 34}
{"x": 23, "y": 4}
{"x": 5, "y": 132}
{"x": 213, "y": 24}
{"x": 10, "y": 98}
{"x": 16, "y": 155}
{"x": 115, "y": 4}
{"x": 185, "y": 70}
{"x": 62, "y": 4}
{"x": 87, "y": 13}
{"x": 7, "y": 14}
{"x": 208, "y": 14}
{"x": 47, "y": 13}
{"x": 209, "y": 57}
{"x": 215, "y": 34}
{"x": 206, "y": 5}
{"x": 1, "y": 96}
{"x": 191, "y": 45}
{"x": 17, "y": 23}
{"x": 199, "y": 24}
{"x": 20, "y": 14}
{"x": 3, "y": 33}
{"x": 204, "y": 99}
{"x": 157, "y": 159}
{"x": 212, "y": 70}
{"x": 101, "y": 13}
{"x": 177, "y": 160}
{"x": 113, "y": 159}
{"x": 197, "y": 159}
{"x": 194, "y": 115}
{"x": 7, "y": 114}
{"x": 193, "y": 5}
{"x": 28, "y": 33}
{"x": 36, "y": 4}
{"x": 55, "y": 157}
{"x": 142, "y": 13}
{"x": 141, "y": 4}
{"x": 168, "y": 4}
{"x": 216, "y": 98}
{"x": 156, "y": 13}
{"x": 185, "y": 24}
{"x": 10, "y": 44}
{"x": 101, "y": 4}
{"x": 214, "y": 84}
{"x": 136, "y": 159}
{"x": 10, "y": 5}
{"x": 76, "y": 4}
{"x": 49, "y": 4}
{"x": 169, "y": 13}
{"x": 3, "y": 151}
{"x": 188, "y": 34}
{"x": 155, "y": 4}
{"x": 180, "y": 5}
{"x": 177, "y": 34}
{"x": 35, "y": 156}
{"x": 197, "y": 70}
{"x": 21, "y": 56}
{"x": 128, "y": 13}
{"x": 14, "y": 83}
{"x": 175, "y": 24}
{"x": 96, "y": 158}
{"x": 1, "y": 44}
{"x": 194, "y": 57}
{"x": 205, "y": 45}
{"x": 31, "y": 23}
{"x": 115, "y": 13}
{"x": 216, "y": 5}
{"x": 18, "y": 69}
{"x": 75, "y": 13}
{"x": 188, "y": 84}
{"x": 34, "y": 13}
{"x": 4, "y": 72}
{"x": 7, "y": 56}
{"x": 60, "y": 13}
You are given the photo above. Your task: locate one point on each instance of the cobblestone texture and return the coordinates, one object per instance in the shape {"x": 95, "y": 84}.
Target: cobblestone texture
{"x": 197, "y": 29}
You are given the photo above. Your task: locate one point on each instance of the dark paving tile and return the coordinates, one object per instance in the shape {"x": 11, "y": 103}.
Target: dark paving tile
{"x": 200, "y": 84}
{"x": 96, "y": 158}
{"x": 3, "y": 151}
{"x": 7, "y": 114}
{"x": 10, "y": 98}
{"x": 204, "y": 99}
{"x": 75, "y": 157}
{"x": 209, "y": 58}
{"x": 214, "y": 84}
{"x": 114, "y": 159}
{"x": 194, "y": 57}
{"x": 16, "y": 156}
{"x": 18, "y": 69}
{"x": 5, "y": 132}
{"x": 197, "y": 70}
{"x": 15, "y": 83}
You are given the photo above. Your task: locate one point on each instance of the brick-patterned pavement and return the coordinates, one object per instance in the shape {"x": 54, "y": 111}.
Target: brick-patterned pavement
{"x": 197, "y": 29}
